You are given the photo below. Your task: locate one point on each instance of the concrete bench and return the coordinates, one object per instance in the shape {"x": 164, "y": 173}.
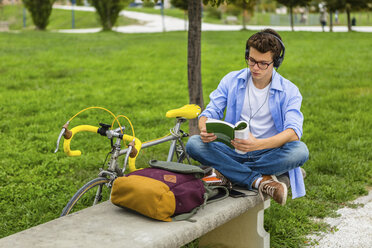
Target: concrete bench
{"x": 232, "y": 222}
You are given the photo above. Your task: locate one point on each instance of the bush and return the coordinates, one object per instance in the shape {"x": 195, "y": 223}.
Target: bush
{"x": 108, "y": 11}
{"x": 40, "y": 11}
{"x": 80, "y": 2}
{"x": 233, "y": 10}
{"x": 214, "y": 12}
{"x": 148, "y": 4}
{"x": 180, "y": 4}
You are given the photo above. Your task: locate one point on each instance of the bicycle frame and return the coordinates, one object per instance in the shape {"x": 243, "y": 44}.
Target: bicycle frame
{"x": 175, "y": 136}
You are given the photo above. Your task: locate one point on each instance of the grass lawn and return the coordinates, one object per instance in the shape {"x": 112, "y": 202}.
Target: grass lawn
{"x": 45, "y": 78}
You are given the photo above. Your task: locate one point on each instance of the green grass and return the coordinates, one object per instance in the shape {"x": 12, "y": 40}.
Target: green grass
{"x": 45, "y": 78}
{"x": 59, "y": 19}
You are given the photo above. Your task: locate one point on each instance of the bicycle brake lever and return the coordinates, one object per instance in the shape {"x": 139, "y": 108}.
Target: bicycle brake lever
{"x": 59, "y": 139}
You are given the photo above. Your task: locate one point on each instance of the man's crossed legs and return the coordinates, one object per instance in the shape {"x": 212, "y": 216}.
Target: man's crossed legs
{"x": 256, "y": 169}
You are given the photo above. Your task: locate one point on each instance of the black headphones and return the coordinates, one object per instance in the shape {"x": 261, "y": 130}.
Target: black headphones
{"x": 279, "y": 59}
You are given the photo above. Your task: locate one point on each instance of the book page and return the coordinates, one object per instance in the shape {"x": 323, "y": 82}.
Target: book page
{"x": 242, "y": 133}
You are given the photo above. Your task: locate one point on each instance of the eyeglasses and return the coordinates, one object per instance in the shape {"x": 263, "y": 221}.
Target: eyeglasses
{"x": 261, "y": 65}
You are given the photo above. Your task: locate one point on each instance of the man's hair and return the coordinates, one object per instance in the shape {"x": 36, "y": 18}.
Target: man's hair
{"x": 265, "y": 41}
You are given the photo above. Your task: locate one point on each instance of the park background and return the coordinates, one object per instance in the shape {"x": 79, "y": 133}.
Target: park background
{"x": 46, "y": 77}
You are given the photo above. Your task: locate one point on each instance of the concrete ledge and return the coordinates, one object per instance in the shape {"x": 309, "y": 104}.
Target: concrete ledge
{"x": 108, "y": 225}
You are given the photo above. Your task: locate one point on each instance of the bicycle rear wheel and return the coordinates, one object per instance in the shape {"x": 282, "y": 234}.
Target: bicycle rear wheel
{"x": 90, "y": 194}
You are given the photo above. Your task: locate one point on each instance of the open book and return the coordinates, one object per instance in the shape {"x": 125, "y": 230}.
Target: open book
{"x": 226, "y": 132}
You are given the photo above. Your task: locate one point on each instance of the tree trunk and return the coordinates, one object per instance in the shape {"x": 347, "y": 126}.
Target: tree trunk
{"x": 330, "y": 22}
{"x": 244, "y": 19}
{"x": 244, "y": 15}
{"x": 108, "y": 16}
{"x": 162, "y": 15}
{"x": 194, "y": 60}
{"x": 348, "y": 18}
{"x": 291, "y": 17}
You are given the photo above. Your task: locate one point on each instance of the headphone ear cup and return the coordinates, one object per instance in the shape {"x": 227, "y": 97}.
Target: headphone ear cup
{"x": 278, "y": 61}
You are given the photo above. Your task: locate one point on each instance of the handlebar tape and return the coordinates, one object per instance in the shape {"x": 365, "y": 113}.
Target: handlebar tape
{"x": 93, "y": 129}
{"x": 138, "y": 145}
{"x": 75, "y": 130}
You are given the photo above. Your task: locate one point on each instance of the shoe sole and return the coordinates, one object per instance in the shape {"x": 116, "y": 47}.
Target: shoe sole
{"x": 285, "y": 189}
{"x": 285, "y": 194}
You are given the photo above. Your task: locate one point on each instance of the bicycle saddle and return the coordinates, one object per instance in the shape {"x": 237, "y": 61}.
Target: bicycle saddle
{"x": 189, "y": 111}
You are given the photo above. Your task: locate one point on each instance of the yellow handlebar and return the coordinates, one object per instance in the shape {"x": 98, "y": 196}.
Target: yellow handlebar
{"x": 137, "y": 145}
{"x": 75, "y": 130}
{"x": 93, "y": 129}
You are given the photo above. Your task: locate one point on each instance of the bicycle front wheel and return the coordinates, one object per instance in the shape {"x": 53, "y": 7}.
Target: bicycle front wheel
{"x": 90, "y": 194}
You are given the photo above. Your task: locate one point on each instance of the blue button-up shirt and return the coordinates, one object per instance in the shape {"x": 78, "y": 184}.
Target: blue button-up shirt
{"x": 284, "y": 104}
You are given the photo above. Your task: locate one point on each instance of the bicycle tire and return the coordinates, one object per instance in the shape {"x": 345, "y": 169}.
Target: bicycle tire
{"x": 100, "y": 182}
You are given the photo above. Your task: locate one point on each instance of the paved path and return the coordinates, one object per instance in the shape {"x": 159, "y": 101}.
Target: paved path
{"x": 152, "y": 23}
{"x": 353, "y": 228}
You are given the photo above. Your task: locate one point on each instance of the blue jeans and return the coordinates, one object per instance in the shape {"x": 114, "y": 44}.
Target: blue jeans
{"x": 244, "y": 169}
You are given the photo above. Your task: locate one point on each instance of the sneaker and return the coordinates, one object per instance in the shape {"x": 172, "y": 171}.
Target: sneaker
{"x": 275, "y": 189}
{"x": 284, "y": 178}
{"x": 224, "y": 181}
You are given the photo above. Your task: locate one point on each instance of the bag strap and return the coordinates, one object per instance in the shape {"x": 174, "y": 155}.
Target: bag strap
{"x": 178, "y": 167}
{"x": 187, "y": 216}
{"x": 211, "y": 191}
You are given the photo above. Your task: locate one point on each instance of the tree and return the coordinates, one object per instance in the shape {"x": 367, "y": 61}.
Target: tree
{"x": 291, "y": 4}
{"x": 194, "y": 56}
{"x": 194, "y": 9}
{"x": 194, "y": 60}
{"x": 247, "y": 6}
{"x": 1, "y": 7}
{"x": 348, "y": 5}
{"x": 108, "y": 11}
{"x": 162, "y": 14}
{"x": 40, "y": 11}
{"x": 332, "y": 6}
{"x": 351, "y": 5}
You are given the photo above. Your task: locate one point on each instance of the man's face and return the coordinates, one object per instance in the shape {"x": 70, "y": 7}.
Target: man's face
{"x": 263, "y": 60}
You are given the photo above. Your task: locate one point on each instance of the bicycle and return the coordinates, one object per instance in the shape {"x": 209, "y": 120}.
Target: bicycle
{"x": 105, "y": 177}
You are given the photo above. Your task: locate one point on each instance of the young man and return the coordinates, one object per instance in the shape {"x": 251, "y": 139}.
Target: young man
{"x": 271, "y": 105}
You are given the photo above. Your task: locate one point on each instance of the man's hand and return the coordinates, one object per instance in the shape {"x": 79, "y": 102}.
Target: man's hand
{"x": 207, "y": 137}
{"x": 248, "y": 145}
{"x": 253, "y": 144}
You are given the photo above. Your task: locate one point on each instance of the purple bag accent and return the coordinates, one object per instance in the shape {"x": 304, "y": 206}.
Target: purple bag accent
{"x": 187, "y": 189}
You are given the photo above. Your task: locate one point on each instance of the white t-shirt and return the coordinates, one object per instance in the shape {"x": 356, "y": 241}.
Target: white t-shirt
{"x": 256, "y": 111}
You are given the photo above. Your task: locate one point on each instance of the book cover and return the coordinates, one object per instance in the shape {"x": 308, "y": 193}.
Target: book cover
{"x": 212, "y": 178}
{"x": 226, "y": 132}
